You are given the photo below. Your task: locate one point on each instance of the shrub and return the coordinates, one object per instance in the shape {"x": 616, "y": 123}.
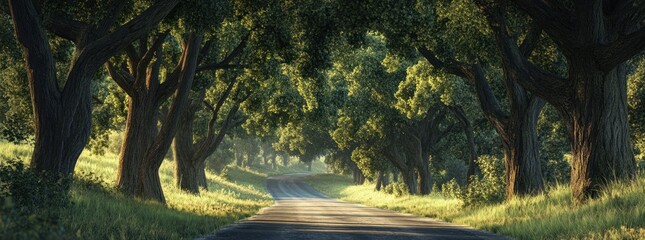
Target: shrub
{"x": 31, "y": 202}
{"x": 451, "y": 189}
{"x": 397, "y": 188}
{"x": 489, "y": 188}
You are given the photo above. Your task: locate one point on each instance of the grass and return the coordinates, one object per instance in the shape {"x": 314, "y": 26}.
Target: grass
{"x": 103, "y": 213}
{"x": 618, "y": 214}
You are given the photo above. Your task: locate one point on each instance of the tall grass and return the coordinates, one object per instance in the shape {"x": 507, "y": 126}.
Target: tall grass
{"x": 103, "y": 213}
{"x": 618, "y": 214}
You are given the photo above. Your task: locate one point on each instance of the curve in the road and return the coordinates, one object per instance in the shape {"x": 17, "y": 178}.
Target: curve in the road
{"x": 301, "y": 212}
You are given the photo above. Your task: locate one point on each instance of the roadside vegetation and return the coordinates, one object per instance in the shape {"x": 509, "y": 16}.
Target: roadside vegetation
{"x": 95, "y": 210}
{"x": 618, "y": 214}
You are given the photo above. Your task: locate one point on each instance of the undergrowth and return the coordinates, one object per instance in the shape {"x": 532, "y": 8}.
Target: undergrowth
{"x": 618, "y": 214}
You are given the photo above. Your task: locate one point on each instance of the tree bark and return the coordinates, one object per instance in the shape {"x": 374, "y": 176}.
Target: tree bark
{"x": 593, "y": 95}
{"x": 150, "y": 185}
{"x": 410, "y": 178}
{"x": 186, "y": 172}
{"x": 140, "y": 131}
{"x": 522, "y": 159}
{"x": 188, "y": 153}
{"x": 601, "y": 147}
{"x": 62, "y": 118}
{"x": 517, "y": 130}
{"x": 379, "y": 181}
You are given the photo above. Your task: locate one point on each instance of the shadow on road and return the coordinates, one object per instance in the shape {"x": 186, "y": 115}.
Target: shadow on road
{"x": 301, "y": 212}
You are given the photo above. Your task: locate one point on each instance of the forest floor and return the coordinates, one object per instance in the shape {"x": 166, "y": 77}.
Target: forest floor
{"x": 618, "y": 214}
{"x": 100, "y": 212}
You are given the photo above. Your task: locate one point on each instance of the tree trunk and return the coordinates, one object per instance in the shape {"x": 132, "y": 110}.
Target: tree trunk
{"x": 395, "y": 176}
{"x": 601, "y": 146}
{"x": 238, "y": 157}
{"x": 309, "y": 165}
{"x": 410, "y": 178}
{"x": 62, "y": 115}
{"x": 140, "y": 131}
{"x": 186, "y": 172}
{"x": 202, "y": 181}
{"x": 150, "y": 185}
{"x": 379, "y": 181}
{"x": 386, "y": 178}
{"x": 188, "y": 176}
{"x": 521, "y": 151}
{"x": 472, "y": 149}
{"x": 425, "y": 178}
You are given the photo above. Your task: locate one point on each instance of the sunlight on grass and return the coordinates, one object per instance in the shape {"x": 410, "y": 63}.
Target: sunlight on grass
{"x": 618, "y": 214}
{"x": 106, "y": 214}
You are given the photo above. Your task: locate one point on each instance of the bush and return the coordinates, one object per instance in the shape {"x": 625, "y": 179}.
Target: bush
{"x": 451, "y": 189}
{"x": 397, "y": 188}
{"x": 489, "y": 188}
{"x": 31, "y": 202}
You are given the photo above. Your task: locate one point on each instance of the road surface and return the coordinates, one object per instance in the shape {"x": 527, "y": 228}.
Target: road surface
{"x": 300, "y": 212}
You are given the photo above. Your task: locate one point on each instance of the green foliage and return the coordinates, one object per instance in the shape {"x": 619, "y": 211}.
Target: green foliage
{"x": 616, "y": 214}
{"x": 636, "y": 109}
{"x": 31, "y": 202}
{"x": 489, "y": 188}
{"x": 451, "y": 189}
{"x": 397, "y": 189}
{"x": 100, "y": 212}
{"x": 554, "y": 146}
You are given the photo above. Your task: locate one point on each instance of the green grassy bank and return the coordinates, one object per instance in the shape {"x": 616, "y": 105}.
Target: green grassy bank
{"x": 618, "y": 214}
{"x": 102, "y": 213}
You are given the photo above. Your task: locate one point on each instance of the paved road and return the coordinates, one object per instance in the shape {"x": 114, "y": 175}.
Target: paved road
{"x": 301, "y": 212}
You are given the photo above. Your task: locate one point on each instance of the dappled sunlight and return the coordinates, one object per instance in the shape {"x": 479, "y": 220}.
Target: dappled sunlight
{"x": 543, "y": 216}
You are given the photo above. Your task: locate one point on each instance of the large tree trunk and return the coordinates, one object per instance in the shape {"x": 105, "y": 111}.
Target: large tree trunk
{"x": 62, "y": 117}
{"x": 140, "y": 131}
{"x": 425, "y": 177}
{"x": 150, "y": 185}
{"x": 186, "y": 172}
{"x": 601, "y": 146}
{"x": 410, "y": 178}
{"x": 593, "y": 95}
{"x": 521, "y": 147}
{"x": 516, "y": 129}
{"x": 194, "y": 155}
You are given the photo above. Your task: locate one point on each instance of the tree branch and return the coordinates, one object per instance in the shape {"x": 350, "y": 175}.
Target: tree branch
{"x": 552, "y": 88}
{"x": 39, "y": 60}
{"x": 154, "y": 51}
{"x": 101, "y": 49}
{"x": 104, "y": 25}
{"x": 621, "y": 50}
{"x": 225, "y": 62}
{"x": 126, "y": 83}
{"x": 532, "y": 39}
{"x": 67, "y": 28}
{"x": 451, "y": 66}
{"x": 557, "y": 21}
{"x": 475, "y": 75}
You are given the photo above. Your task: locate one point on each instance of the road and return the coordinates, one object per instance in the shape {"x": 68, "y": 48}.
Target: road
{"x": 301, "y": 212}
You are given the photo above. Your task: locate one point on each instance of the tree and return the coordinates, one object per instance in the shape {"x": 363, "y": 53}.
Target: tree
{"x": 190, "y": 153}
{"x": 62, "y": 117}
{"x": 597, "y": 38}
